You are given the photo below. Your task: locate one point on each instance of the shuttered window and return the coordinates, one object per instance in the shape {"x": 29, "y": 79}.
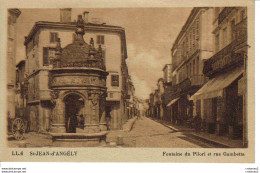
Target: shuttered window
{"x": 115, "y": 80}
{"x": 100, "y": 39}
{"x": 45, "y": 56}
{"x": 53, "y": 37}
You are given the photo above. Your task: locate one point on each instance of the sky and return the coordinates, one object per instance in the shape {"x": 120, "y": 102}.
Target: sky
{"x": 150, "y": 33}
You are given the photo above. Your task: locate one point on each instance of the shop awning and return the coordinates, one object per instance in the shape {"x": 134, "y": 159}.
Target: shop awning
{"x": 172, "y": 102}
{"x": 214, "y": 87}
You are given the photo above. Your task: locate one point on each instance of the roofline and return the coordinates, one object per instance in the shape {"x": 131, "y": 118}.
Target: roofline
{"x": 72, "y": 25}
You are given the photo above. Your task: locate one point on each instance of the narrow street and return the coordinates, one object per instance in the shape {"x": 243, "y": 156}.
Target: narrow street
{"x": 149, "y": 133}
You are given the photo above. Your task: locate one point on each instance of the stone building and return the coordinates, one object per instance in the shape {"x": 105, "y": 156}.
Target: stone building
{"x": 41, "y": 51}
{"x": 12, "y": 15}
{"x": 168, "y": 91}
{"x": 192, "y": 46}
{"x": 20, "y": 97}
{"x": 222, "y": 100}
{"x": 130, "y": 99}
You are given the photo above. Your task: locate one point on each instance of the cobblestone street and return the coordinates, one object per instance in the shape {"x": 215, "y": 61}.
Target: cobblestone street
{"x": 149, "y": 133}
{"x": 145, "y": 133}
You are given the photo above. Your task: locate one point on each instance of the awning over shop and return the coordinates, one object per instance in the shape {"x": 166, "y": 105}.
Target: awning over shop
{"x": 172, "y": 102}
{"x": 214, "y": 87}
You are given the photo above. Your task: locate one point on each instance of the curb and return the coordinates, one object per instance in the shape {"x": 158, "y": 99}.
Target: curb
{"x": 221, "y": 145}
{"x": 128, "y": 127}
{"x": 197, "y": 136}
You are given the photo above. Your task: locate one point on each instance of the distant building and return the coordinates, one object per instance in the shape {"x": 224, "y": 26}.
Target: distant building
{"x": 167, "y": 71}
{"x": 40, "y": 50}
{"x": 130, "y": 100}
{"x": 192, "y": 46}
{"x": 222, "y": 100}
{"x": 12, "y": 15}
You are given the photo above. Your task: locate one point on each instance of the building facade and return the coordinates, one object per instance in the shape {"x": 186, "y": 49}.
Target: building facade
{"x": 192, "y": 46}
{"x": 12, "y": 15}
{"x": 40, "y": 51}
{"x": 222, "y": 100}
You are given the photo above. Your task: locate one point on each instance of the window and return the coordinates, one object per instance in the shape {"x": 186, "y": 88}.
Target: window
{"x": 53, "y": 37}
{"x": 224, "y": 37}
{"x": 217, "y": 42}
{"x": 242, "y": 15}
{"x": 232, "y": 30}
{"x": 194, "y": 37}
{"x": 100, "y": 39}
{"x": 187, "y": 70}
{"x": 197, "y": 68}
{"x": 115, "y": 80}
{"x": 193, "y": 67}
{"x": 45, "y": 56}
{"x": 197, "y": 29}
{"x": 190, "y": 69}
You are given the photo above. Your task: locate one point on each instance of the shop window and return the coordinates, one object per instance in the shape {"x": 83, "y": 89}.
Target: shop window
{"x": 100, "y": 39}
{"x": 53, "y": 37}
{"x": 115, "y": 80}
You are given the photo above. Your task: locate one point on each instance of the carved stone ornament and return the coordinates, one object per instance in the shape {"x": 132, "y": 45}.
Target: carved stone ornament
{"x": 94, "y": 99}
{"x": 54, "y": 96}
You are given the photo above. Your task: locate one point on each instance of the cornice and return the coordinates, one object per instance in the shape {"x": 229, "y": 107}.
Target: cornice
{"x": 71, "y": 26}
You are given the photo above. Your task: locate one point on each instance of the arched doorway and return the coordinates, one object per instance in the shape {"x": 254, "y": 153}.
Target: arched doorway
{"x": 73, "y": 117}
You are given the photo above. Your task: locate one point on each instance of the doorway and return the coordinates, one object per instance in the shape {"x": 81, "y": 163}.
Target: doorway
{"x": 73, "y": 104}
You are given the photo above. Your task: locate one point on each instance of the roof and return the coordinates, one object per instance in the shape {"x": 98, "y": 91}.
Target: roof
{"x": 69, "y": 25}
{"x": 72, "y": 26}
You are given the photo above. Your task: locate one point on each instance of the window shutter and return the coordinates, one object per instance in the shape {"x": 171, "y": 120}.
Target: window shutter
{"x": 98, "y": 39}
{"x": 45, "y": 56}
{"x": 102, "y": 39}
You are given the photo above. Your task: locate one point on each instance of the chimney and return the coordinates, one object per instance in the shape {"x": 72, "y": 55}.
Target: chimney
{"x": 65, "y": 15}
{"x": 85, "y": 14}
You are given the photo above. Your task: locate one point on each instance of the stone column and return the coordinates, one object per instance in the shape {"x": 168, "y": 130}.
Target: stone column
{"x": 102, "y": 113}
{"x": 92, "y": 118}
{"x": 58, "y": 121}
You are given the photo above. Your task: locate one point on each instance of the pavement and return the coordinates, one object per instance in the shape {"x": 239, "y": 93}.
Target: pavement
{"x": 143, "y": 132}
{"x": 148, "y": 133}
{"x": 220, "y": 141}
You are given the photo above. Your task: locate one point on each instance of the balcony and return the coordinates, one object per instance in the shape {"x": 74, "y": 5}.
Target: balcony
{"x": 224, "y": 13}
{"x": 228, "y": 56}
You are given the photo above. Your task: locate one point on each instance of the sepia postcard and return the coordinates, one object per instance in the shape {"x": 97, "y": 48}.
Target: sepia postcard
{"x": 169, "y": 81}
